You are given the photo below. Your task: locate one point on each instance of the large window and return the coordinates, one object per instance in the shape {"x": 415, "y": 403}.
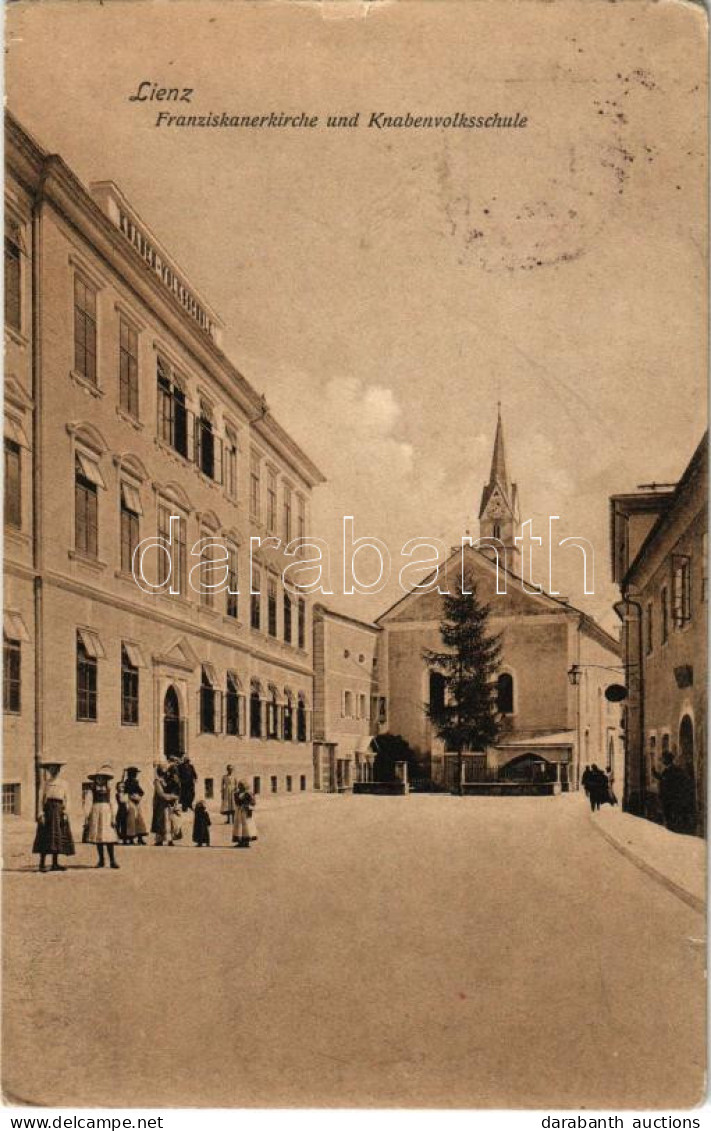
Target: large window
{"x": 87, "y": 678}
{"x": 207, "y": 445}
{"x": 301, "y": 725}
{"x": 288, "y": 716}
{"x": 207, "y": 573}
{"x": 255, "y": 710}
{"x": 130, "y": 524}
{"x": 287, "y": 618}
{"x": 302, "y": 623}
{"x": 287, "y": 514}
{"x": 12, "y": 675}
{"x": 231, "y": 463}
{"x": 178, "y": 552}
{"x": 271, "y": 500}
{"x": 84, "y": 330}
{"x": 272, "y": 605}
{"x": 129, "y": 685}
{"x": 11, "y": 794}
{"x": 681, "y": 591}
{"x": 13, "y": 484}
{"x": 210, "y": 702}
{"x": 301, "y": 517}
{"x": 232, "y": 721}
{"x": 505, "y": 693}
{"x": 13, "y": 275}
{"x": 273, "y": 713}
{"x": 128, "y": 368}
{"x": 255, "y": 599}
{"x": 232, "y": 595}
{"x": 254, "y": 485}
{"x": 87, "y": 479}
{"x": 664, "y": 601}
{"x": 172, "y": 412}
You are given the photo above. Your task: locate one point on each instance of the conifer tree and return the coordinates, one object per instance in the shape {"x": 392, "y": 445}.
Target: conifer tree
{"x": 466, "y": 716}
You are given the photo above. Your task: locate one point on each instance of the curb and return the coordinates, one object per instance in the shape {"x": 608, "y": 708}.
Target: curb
{"x": 676, "y": 889}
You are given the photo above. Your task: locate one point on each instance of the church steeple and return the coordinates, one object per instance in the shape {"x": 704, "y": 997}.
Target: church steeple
{"x": 498, "y": 460}
{"x": 498, "y": 513}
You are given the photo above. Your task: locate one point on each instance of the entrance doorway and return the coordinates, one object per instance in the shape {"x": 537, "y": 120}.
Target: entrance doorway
{"x": 173, "y": 729}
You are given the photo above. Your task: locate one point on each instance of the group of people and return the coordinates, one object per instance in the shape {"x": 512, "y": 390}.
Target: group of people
{"x": 109, "y": 819}
{"x": 677, "y": 795}
{"x": 598, "y": 787}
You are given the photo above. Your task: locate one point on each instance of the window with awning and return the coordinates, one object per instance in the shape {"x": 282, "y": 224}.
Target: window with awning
{"x": 13, "y": 626}
{"x": 91, "y": 643}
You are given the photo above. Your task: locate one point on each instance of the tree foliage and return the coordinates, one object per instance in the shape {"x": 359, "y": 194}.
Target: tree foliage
{"x": 467, "y": 719}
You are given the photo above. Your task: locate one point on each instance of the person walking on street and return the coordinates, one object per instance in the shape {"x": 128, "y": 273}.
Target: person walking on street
{"x": 121, "y": 810}
{"x": 676, "y": 795}
{"x": 54, "y": 835}
{"x": 585, "y": 780}
{"x": 187, "y": 776}
{"x": 597, "y": 788}
{"x": 162, "y": 801}
{"x": 135, "y": 821}
{"x": 201, "y": 825}
{"x": 244, "y": 831}
{"x": 100, "y": 815}
{"x": 229, "y": 785}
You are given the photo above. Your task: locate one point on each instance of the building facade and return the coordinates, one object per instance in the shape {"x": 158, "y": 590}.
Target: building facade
{"x": 551, "y": 724}
{"x": 132, "y": 440}
{"x": 659, "y": 559}
{"x": 348, "y": 711}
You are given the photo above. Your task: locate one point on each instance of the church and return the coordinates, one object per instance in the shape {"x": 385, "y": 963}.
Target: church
{"x": 556, "y": 663}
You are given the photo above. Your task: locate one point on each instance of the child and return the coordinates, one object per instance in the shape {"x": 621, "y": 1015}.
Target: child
{"x": 54, "y": 836}
{"x": 176, "y": 830}
{"x": 100, "y": 815}
{"x": 244, "y": 830}
{"x": 201, "y": 825}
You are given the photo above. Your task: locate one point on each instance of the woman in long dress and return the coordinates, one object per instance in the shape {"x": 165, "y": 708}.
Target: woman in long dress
{"x": 100, "y": 813}
{"x": 135, "y": 821}
{"x": 245, "y": 829}
{"x": 54, "y": 835}
{"x": 162, "y": 801}
{"x": 229, "y": 785}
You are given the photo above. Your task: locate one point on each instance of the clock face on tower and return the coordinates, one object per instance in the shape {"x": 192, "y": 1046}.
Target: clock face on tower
{"x": 496, "y": 508}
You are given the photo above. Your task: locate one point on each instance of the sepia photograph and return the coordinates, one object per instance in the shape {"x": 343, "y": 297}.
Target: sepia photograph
{"x": 355, "y": 548}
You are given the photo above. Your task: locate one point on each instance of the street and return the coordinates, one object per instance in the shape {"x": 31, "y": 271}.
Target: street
{"x": 368, "y": 951}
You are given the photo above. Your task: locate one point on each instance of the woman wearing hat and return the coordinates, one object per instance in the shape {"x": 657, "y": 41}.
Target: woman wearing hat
{"x": 54, "y": 835}
{"x": 135, "y": 821}
{"x": 101, "y": 815}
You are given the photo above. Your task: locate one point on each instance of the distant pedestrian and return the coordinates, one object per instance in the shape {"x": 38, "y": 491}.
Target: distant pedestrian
{"x": 201, "y": 825}
{"x": 676, "y": 792}
{"x": 611, "y": 795}
{"x": 135, "y": 821}
{"x": 585, "y": 780}
{"x": 187, "y": 776}
{"x": 54, "y": 835}
{"x": 245, "y": 830}
{"x": 229, "y": 785}
{"x": 597, "y": 788}
{"x": 162, "y": 800}
{"x": 100, "y": 813}
{"x": 121, "y": 810}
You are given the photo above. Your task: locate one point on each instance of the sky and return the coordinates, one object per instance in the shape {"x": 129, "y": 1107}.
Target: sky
{"x": 385, "y": 288}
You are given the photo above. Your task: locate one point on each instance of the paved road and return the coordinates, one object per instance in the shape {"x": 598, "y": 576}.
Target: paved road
{"x": 371, "y": 951}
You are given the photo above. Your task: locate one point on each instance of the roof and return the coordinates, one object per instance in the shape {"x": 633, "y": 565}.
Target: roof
{"x": 324, "y": 611}
{"x": 586, "y": 622}
{"x": 696, "y": 466}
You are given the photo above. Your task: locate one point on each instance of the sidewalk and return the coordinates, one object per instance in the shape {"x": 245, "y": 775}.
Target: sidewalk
{"x": 677, "y": 862}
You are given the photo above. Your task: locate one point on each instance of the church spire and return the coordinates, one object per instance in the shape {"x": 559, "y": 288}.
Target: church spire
{"x": 498, "y": 512}
{"x": 498, "y": 459}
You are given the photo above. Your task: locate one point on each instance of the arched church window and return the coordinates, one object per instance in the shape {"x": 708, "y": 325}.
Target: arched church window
{"x": 505, "y": 693}
{"x": 497, "y": 530}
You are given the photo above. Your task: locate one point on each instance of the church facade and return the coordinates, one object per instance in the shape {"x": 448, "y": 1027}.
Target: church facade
{"x": 556, "y": 664}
